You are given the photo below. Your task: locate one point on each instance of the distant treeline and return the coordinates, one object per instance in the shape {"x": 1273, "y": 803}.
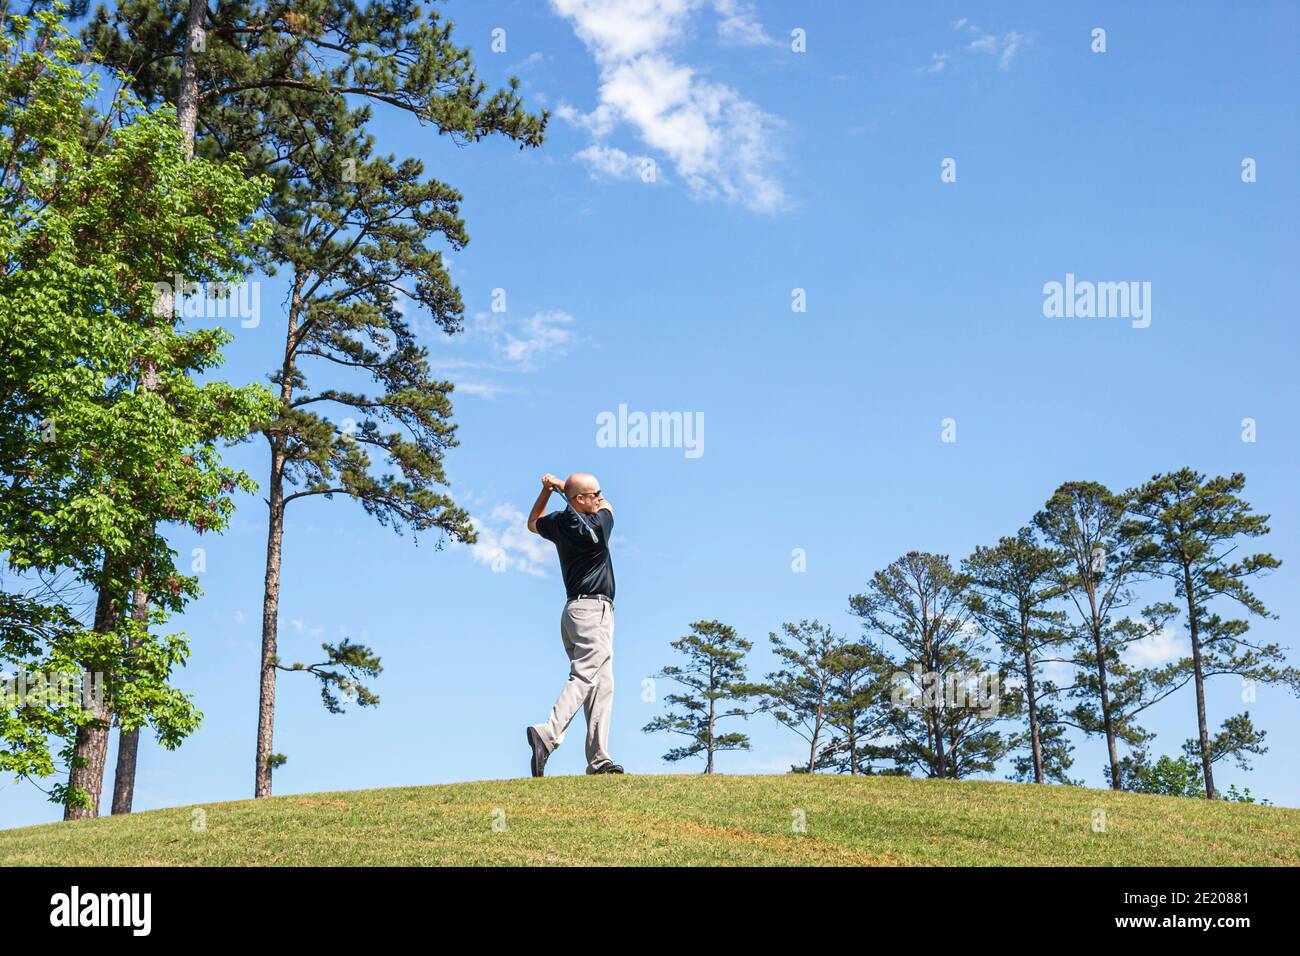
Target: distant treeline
{"x": 960, "y": 668}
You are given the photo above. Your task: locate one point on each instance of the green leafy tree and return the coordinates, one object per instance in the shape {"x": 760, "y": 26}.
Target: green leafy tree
{"x": 1013, "y": 592}
{"x": 98, "y": 208}
{"x": 1189, "y": 530}
{"x": 1183, "y": 776}
{"x": 1167, "y": 776}
{"x": 292, "y": 88}
{"x": 714, "y": 675}
{"x": 919, "y": 604}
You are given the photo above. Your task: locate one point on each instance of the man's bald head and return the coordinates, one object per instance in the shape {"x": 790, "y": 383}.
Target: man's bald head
{"x": 579, "y": 488}
{"x": 580, "y": 483}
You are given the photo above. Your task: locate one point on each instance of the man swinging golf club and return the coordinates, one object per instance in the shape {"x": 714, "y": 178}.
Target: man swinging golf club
{"x": 580, "y": 534}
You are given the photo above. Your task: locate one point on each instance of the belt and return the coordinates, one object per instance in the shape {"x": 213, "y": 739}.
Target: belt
{"x": 599, "y": 597}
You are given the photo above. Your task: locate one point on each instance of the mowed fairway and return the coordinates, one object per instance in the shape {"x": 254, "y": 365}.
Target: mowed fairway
{"x": 681, "y": 820}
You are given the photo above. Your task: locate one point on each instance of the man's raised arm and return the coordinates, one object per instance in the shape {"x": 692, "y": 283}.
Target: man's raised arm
{"x": 549, "y": 483}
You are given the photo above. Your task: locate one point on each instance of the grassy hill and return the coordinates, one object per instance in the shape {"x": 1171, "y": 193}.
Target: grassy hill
{"x": 667, "y": 819}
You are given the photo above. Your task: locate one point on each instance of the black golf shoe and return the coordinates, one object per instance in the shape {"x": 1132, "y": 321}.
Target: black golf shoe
{"x": 540, "y": 753}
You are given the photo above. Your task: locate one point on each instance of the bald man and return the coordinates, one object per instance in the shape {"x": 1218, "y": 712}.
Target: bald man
{"x": 580, "y": 534}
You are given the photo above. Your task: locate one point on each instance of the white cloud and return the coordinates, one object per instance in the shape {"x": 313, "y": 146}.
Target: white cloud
{"x": 524, "y": 342}
{"x": 505, "y": 543}
{"x": 937, "y": 62}
{"x": 501, "y": 343}
{"x": 301, "y": 627}
{"x": 1010, "y": 44}
{"x": 612, "y": 162}
{"x": 1160, "y": 648}
{"x": 624, "y": 29}
{"x": 1058, "y": 672}
{"x": 1002, "y": 48}
{"x": 531, "y": 59}
{"x": 487, "y": 390}
{"x": 738, "y": 24}
{"x": 721, "y": 144}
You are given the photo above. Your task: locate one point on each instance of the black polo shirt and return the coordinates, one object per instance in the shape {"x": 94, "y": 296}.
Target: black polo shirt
{"x": 584, "y": 563}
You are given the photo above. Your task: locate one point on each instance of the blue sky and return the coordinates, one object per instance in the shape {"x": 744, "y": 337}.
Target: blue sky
{"x": 778, "y": 170}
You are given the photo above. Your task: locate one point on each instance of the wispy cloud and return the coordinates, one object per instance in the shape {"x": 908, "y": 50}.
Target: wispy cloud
{"x": 1002, "y": 48}
{"x": 738, "y": 24}
{"x": 531, "y": 59}
{"x": 487, "y": 390}
{"x": 502, "y": 343}
{"x": 937, "y": 62}
{"x": 505, "y": 543}
{"x": 720, "y": 144}
{"x": 522, "y": 342}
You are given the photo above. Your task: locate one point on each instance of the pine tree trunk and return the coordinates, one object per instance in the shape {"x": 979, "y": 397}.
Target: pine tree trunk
{"x": 1104, "y": 689}
{"x": 1034, "y": 736}
{"x": 708, "y": 766}
{"x": 1032, "y": 700}
{"x": 1105, "y": 709}
{"x": 1202, "y": 725}
{"x": 929, "y": 740}
{"x": 812, "y": 746}
{"x": 91, "y": 748}
{"x": 128, "y": 741}
{"x": 941, "y": 762}
{"x": 187, "y": 101}
{"x": 271, "y": 589}
{"x": 270, "y": 626}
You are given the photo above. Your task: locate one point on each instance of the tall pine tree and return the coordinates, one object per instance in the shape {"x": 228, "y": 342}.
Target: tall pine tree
{"x": 1013, "y": 591}
{"x": 918, "y": 609}
{"x": 1190, "y": 530}
{"x": 799, "y": 694}
{"x": 292, "y": 87}
{"x": 714, "y": 676}
{"x": 1083, "y": 520}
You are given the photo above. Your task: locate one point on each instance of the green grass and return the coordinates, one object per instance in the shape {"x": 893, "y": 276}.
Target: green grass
{"x": 681, "y": 820}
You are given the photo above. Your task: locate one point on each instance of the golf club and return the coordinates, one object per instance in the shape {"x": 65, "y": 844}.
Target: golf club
{"x": 582, "y": 519}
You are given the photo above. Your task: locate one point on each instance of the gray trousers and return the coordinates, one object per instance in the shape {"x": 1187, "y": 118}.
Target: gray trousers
{"x": 587, "y": 628}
